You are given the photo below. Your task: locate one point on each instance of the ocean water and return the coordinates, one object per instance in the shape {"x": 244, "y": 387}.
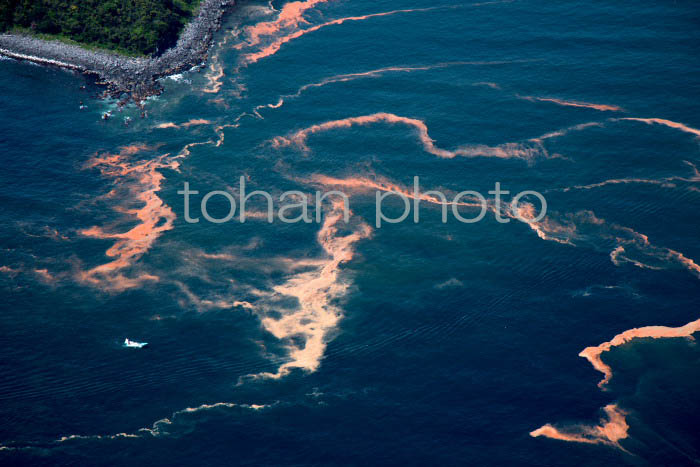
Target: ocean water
{"x": 334, "y": 343}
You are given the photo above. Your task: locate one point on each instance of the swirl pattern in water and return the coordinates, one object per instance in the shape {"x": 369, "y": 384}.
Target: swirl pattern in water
{"x": 132, "y": 334}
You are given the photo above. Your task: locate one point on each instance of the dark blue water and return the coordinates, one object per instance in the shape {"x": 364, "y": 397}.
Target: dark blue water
{"x": 333, "y": 343}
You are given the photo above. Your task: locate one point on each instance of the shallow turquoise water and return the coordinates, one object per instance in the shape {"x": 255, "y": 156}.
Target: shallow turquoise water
{"x": 327, "y": 343}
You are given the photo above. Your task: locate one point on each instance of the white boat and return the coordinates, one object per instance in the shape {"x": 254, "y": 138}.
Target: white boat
{"x": 134, "y": 344}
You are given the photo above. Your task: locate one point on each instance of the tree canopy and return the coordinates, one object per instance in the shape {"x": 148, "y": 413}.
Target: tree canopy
{"x": 132, "y": 26}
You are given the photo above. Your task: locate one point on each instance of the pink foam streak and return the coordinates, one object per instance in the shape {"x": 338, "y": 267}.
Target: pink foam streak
{"x": 286, "y": 26}
{"x": 365, "y": 184}
{"x": 214, "y": 78}
{"x": 291, "y": 16}
{"x": 609, "y": 431}
{"x": 665, "y": 181}
{"x": 217, "y": 303}
{"x": 268, "y": 29}
{"x": 587, "y": 105}
{"x": 168, "y": 125}
{"x": 316, "y": 292}
{"x": 622, "y": 181}
{"x": 158, "y": 428}
{"x": 547, "y": 228}
{"x": 45, "y": 276}
{"x": 575, "y": 229}
{"x": 593, "y": 354}
{"x": 504, "y": 151}
{"x": 669, "y": 123}
{"x": 488, "y": 84}
{"x": 9, "y": 271}
{"x": 187, "y": 124}
{"x": 583, "y": 227}
{"x": 648, "y": 121}
{"x": 614, "y": 427}
{"x": 155, "y": 217}
{"x": 641, "y": 242}
{"x": 371, "y": 74}
{"x": 565, "y": 131}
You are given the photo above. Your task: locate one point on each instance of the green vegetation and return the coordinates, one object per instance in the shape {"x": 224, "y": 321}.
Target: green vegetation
{"x": 135, "y": 27}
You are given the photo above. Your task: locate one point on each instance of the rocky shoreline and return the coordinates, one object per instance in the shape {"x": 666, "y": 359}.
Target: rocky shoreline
{"x": 137, "y": 77}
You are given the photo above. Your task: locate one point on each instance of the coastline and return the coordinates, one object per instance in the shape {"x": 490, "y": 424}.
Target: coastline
{"x": 135, "y": 76}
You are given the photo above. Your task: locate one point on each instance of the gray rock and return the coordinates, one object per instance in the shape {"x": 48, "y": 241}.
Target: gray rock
{"x": 135, "y": 76}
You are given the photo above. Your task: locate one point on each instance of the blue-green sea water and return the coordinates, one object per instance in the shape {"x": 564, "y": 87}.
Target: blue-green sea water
{"x": 333, "y": 343}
